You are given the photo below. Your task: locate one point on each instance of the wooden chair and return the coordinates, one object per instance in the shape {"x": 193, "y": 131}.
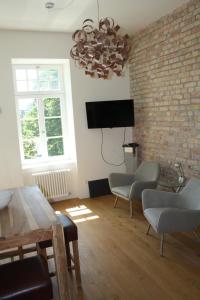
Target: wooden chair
{"x": 25, "y": 279}
{"x": 71, "y": 236}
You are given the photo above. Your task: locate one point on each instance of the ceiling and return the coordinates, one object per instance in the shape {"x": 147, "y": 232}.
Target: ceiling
{"x": 67, "y": 15}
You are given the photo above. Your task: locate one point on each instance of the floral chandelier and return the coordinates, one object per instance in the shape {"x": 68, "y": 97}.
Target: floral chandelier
{"x": 100, "y": 51}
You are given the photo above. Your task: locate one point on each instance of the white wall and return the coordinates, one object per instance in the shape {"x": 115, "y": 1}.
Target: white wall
{"x": 88, "y": 141}
{"x": 19, "y": 44}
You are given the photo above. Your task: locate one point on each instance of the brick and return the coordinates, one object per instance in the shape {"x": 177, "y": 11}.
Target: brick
{"x": 165, "y": 84}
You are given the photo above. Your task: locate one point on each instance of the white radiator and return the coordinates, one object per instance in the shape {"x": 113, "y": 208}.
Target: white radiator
{"x": 53, "y": 184}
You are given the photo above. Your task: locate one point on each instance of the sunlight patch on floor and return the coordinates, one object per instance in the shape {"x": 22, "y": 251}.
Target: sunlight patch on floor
{"x": 76, "y": 208}
{"x": 80, "y": 210}
{"x": 86, "y": 219}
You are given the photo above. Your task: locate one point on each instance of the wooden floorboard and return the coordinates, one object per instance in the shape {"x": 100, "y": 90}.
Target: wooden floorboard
{"x": 119, "y": 262}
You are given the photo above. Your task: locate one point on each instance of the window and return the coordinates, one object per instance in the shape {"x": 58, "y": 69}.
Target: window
{"x": 40, "y": 97}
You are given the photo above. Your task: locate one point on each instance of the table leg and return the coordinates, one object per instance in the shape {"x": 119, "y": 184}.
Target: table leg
{"x": 61, "y": 262}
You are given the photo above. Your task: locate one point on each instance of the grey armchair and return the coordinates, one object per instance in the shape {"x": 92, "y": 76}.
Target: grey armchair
{"x": 172, "y": 212}
{"x": 130, "y": 186}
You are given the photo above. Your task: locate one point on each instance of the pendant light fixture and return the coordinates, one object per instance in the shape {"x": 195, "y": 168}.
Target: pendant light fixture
{"x": 100, "y": 51}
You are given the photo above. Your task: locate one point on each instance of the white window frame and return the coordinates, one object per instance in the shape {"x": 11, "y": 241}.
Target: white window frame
{"x": 40, "y": 95}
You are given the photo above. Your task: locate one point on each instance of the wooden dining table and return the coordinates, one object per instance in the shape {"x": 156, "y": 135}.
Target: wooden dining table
{"x": 28, "y": 218}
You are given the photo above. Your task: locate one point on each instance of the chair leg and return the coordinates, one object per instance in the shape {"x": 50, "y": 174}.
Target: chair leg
{"x": 69, "y": 264}
{"x": 131, "y": 209}
{"x": 21, "y": 254}
{"x": 149, "y": 227}
{"x": 116, "y": 200}
{"x": 76, "y": 262}
{"x": 161, "y": 244}
{"x": 43, "y": 253}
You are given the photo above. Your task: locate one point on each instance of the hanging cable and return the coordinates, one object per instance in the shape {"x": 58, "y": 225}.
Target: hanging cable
{"x": 102, "y": 155}
{"x": 98, "y": 10}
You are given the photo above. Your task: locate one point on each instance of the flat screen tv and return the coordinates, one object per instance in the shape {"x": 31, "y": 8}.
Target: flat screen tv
{"x": 109, "y": 114}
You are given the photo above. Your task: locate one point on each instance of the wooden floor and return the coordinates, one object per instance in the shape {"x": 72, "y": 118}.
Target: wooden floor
{"x": 118, "y": 260}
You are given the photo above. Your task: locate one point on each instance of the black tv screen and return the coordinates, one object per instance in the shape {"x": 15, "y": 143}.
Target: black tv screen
{"x": 109, "y": 114}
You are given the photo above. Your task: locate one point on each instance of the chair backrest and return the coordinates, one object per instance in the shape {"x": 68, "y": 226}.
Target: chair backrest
{"x": 190, "y": 194}
{"x": 148, "y": 171}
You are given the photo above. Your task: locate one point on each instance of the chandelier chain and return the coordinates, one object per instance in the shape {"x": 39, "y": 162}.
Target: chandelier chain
{"x": 98, "y": 10}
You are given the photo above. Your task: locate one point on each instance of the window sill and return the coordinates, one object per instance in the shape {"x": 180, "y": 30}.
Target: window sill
{"x": 47, "y": 165}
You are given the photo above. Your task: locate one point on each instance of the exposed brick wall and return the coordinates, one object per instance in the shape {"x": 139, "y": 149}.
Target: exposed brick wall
{"x": 165, "y": 84}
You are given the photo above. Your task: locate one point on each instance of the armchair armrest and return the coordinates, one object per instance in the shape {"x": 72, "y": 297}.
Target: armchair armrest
{"x": 176, "y": 220}
{"x": 120, "y": 179}
{"x": 138, "y": 187}
{"x": 155, "y": 198}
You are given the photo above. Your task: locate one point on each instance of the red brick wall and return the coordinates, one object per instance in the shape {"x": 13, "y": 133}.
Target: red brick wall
{"x": 165, "y": 84}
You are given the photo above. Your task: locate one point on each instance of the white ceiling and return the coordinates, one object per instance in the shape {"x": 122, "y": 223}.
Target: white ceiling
{"x": 68, "y": 15}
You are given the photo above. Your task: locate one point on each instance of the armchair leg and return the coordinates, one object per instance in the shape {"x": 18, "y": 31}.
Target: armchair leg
{"x": 131, "y": 209}
{"x": 161, "y": 244}
{"x": 116, "y": 200}
{"x": 149, "y": 227}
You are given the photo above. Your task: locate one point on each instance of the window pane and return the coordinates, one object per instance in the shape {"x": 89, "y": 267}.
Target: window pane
{"x": 37, "y": 79}
{"x": 31, "y": 148}
{"x": 53, "y": 127}
{"x": 52, "y": 107}
{"x": 49, "y": 79}
{"x": 43, "y": 74}
{"x": 53, "y": 74}
{"x": 55, "y": 147}
{"x": 21, "y": 74}
{"x": 33, "y": 85}
{"x": 28, "y": 108}
{"x": 22, "y": 86}
{"x": 30, "y": 128}
{"x": 32, "y": 74}
{"x": 54, "y": 85}
{"x": 44, "y": 85}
